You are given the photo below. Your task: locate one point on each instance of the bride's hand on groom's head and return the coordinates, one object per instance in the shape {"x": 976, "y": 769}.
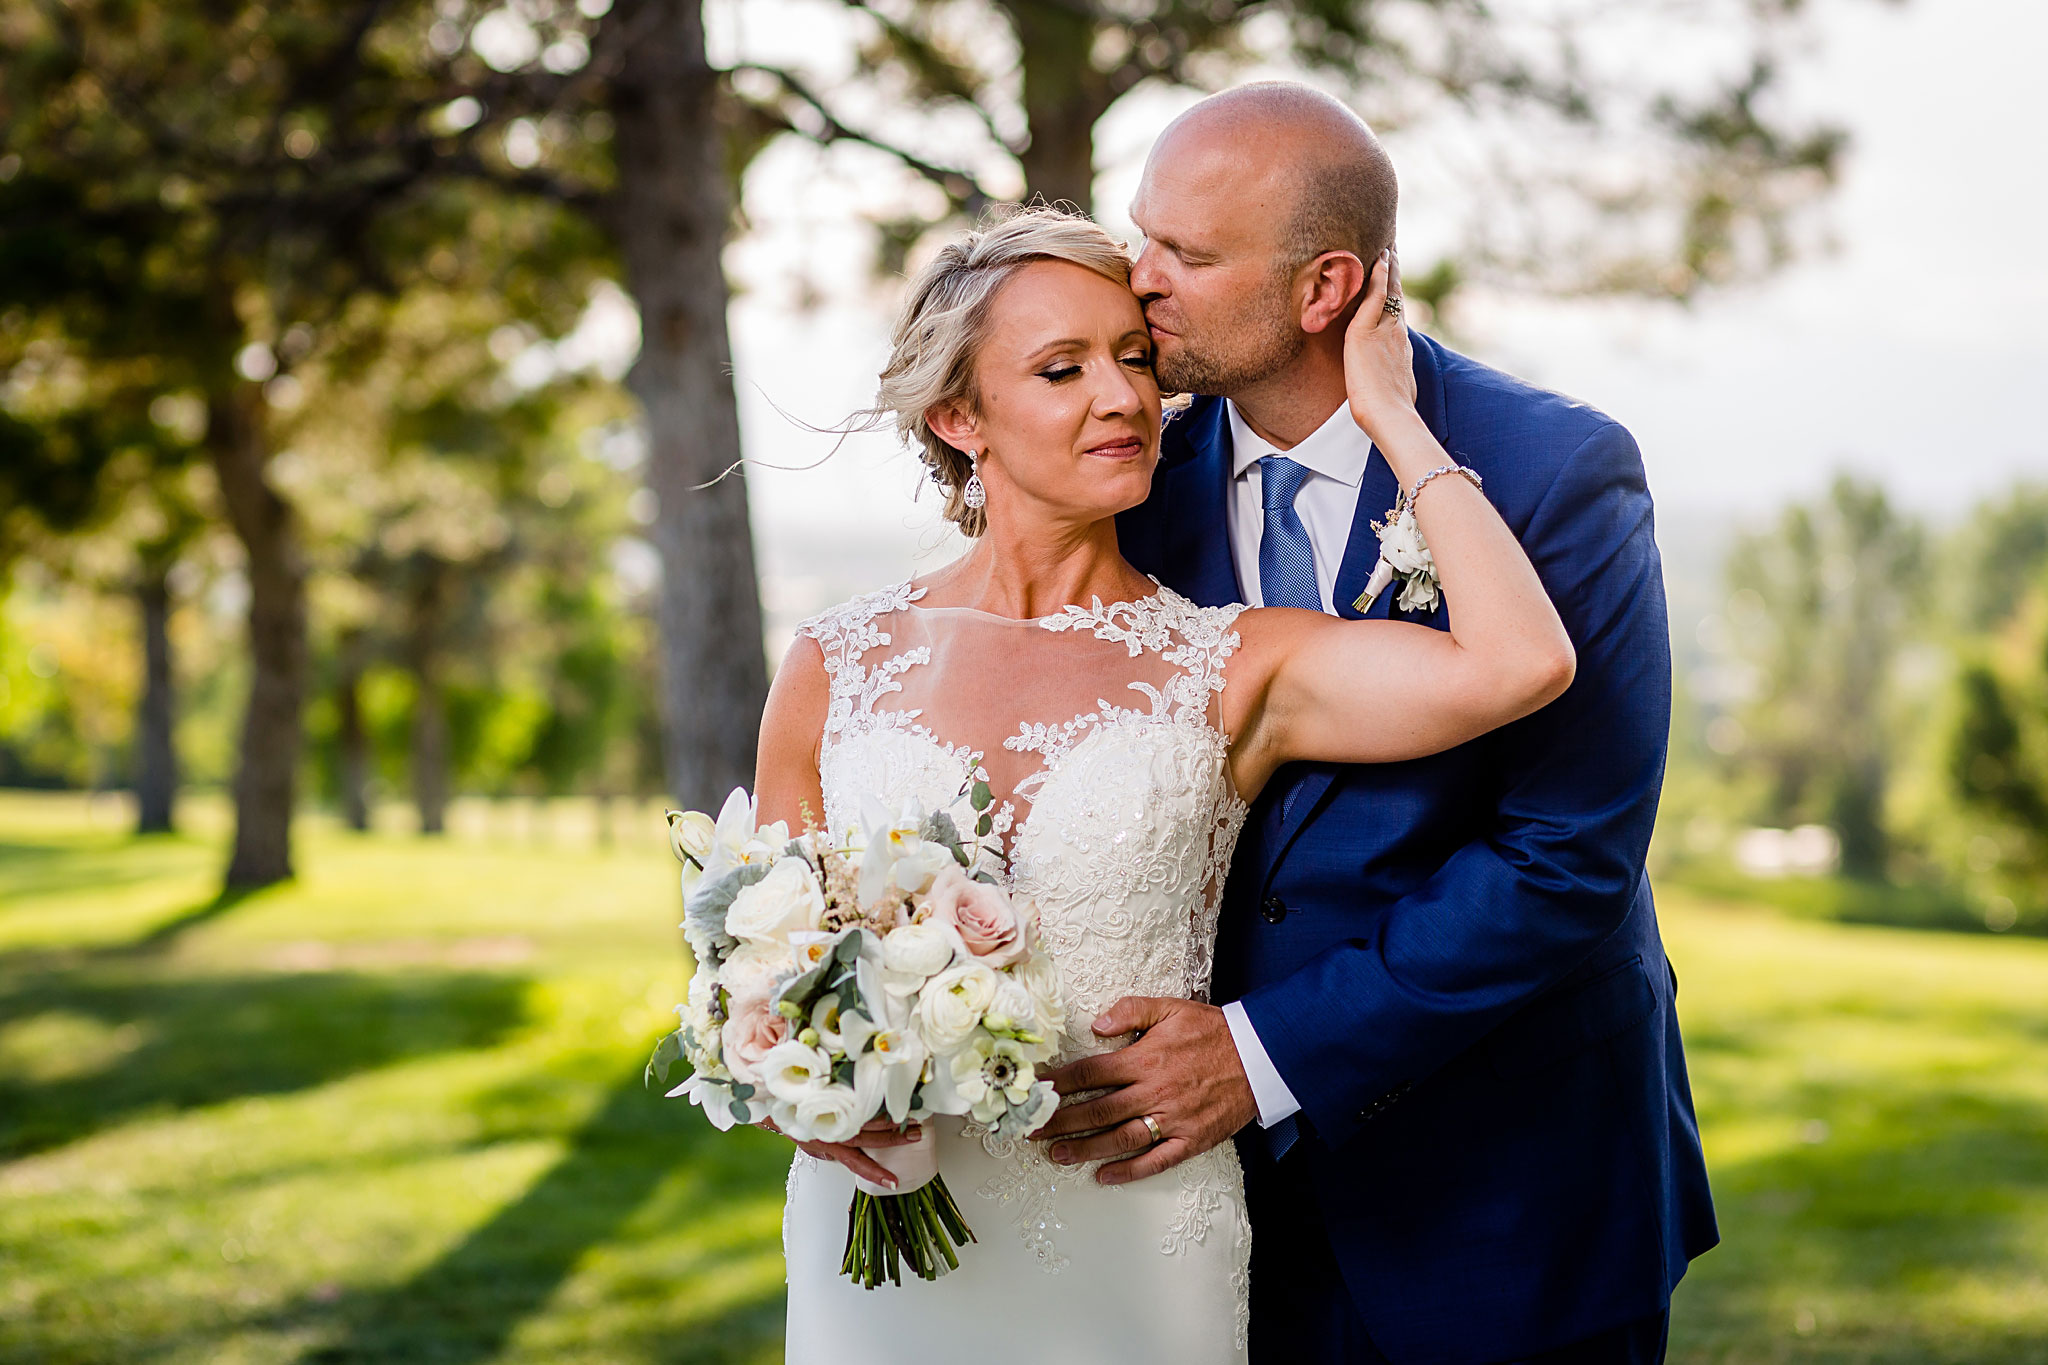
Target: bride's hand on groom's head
{"x": 1182, "y": 1072}
{"x": 1379, "y": 362}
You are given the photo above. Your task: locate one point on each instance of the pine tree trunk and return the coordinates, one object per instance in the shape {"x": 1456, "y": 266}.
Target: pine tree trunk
{"x": 156, "y": 758}
{"x": 350, "y": 737}
{"x": 266, "y": 779}
{"x": 430, "y": 705}
{"x": 669, "y": 216}
{"x": 1064, "y": 97}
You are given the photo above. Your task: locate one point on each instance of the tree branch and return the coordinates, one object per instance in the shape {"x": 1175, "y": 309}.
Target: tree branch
{"x": 959, "y": 186}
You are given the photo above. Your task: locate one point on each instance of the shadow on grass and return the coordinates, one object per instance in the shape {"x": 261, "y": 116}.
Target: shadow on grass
{"x": 466, "y": 1305}
{"x": 31, "y": 870}
{"x": 165, "y": 934}
{"x": 1841, "y": 1248}
{"x": 148, "y": 1042}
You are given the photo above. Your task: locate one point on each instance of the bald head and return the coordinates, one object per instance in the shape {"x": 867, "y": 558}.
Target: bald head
{"x": 1306, "y": 151}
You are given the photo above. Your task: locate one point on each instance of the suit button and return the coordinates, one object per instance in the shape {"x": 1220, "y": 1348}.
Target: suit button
{"x": 1274, "y": 909}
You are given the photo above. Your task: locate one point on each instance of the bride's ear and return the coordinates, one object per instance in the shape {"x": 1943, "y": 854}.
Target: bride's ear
{"x": 953, "y": 426}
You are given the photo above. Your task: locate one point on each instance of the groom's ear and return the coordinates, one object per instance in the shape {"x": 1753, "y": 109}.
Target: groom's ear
{"x": 1330, "y": 287}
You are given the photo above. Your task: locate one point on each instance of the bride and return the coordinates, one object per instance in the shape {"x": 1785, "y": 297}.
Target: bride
{"x": 1123, "y": 731}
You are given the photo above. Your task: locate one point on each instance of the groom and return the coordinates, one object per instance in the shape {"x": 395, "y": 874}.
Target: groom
{"x": 1449, "y": 1057}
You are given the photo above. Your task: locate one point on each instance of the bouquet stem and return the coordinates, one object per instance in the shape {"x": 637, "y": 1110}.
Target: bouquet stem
{"x": 920, "y": 1228}
{"x": 917, "y": 1222}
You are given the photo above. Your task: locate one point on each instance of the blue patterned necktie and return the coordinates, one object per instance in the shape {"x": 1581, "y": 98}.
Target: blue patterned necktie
{"x": 1287, "y": 562}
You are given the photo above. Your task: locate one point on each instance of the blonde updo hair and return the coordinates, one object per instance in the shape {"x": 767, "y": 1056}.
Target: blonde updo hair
{"x": 946, "y": 317}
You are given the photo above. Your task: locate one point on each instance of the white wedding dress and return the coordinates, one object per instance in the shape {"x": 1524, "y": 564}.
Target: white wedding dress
{"x": 1097, "y": 731}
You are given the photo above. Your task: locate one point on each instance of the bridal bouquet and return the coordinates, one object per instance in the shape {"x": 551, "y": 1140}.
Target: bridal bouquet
{"x": 845, "y": 975}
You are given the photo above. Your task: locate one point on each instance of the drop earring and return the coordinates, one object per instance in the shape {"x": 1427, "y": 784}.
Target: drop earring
{"x": 975, "y": 496}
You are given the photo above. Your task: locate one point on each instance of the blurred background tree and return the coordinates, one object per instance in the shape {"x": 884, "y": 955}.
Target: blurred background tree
{"x": 1596, "y": 174}
{"x": 1821, "y": 608}
{"x": 334, "y": 302}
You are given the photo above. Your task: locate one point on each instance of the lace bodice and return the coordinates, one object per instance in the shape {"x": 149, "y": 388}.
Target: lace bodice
{"x": 1097, "y": 731}
{"x": 1119, "y": 820}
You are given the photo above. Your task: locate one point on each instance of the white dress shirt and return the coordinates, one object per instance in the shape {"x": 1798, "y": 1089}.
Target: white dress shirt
{"x": 1336, "y": 454}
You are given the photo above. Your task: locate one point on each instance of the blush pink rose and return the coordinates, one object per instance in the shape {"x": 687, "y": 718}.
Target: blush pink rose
{"x": 982, "y": 915}
{"x": 754, "y": 1027}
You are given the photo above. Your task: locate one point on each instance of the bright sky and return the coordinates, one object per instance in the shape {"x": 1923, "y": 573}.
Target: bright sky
{"x": 1914, "y": 354}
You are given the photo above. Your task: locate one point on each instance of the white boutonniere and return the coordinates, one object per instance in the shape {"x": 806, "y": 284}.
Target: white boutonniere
{"x": 1404, "y": 554}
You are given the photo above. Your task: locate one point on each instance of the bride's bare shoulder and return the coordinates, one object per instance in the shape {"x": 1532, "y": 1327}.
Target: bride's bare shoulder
{"x": 1265, "y": 634}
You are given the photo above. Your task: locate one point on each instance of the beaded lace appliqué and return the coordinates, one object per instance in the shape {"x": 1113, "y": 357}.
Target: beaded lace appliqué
{"x": 1131, "y": 826}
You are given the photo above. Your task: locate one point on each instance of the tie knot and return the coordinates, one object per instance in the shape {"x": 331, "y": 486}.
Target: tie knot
{"x": 1279, "y": 480}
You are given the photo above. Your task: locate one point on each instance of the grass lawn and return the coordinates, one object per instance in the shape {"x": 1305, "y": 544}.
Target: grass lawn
{"x": 393, "y": 1112}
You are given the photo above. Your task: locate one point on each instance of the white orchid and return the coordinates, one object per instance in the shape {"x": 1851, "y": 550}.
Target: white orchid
{"x": 895, "y": 855}
{"x": 715, "y": 1098}
{"x": 736, "y": 840}
{"x": 889, "y": 1070}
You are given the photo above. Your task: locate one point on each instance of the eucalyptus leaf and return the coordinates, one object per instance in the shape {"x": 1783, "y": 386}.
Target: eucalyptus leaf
{"x": 665, "y": 1054}
{"x": 981, "y": 797}
{"x": 706, "y": 910}
{"x": 742, "y": 1091}
{"x": 940, "y": 829}
{"x": 802, "y": 990}
{"x": 739, "y": 1110}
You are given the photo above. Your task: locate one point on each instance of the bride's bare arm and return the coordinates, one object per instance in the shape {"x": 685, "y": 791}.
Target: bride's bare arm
{"x": 786, "y": 762}
{"x": 1312, "y": 686}
{"x": 785, "y": 783}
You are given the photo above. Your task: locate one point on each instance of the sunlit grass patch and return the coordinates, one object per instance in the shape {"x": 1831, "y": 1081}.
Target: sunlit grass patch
{"x": 393, "y": 1112}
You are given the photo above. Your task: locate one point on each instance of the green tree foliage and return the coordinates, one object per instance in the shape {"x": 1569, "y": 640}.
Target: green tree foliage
{"x": 211, "y": 190}
{"x": 1822, "y": 606}
{"x": 1695, "y": 185}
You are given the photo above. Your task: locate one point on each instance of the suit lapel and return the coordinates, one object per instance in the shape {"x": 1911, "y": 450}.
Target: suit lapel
{"x": 1376, "y": 493}
{"x": 1197, "y": 534}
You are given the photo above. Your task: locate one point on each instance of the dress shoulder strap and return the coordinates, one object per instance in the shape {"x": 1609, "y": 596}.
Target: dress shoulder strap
{"x": 1196, "y": 640}
{"x": 849, "y": 630}
{"x": 845, "y": 634}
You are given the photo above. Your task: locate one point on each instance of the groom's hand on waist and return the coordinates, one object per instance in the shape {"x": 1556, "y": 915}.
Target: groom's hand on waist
{"x": 1183, "y": 1070}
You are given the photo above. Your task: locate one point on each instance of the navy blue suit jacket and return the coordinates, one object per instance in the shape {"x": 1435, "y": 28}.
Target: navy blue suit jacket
{"x": 1454, "y": 962}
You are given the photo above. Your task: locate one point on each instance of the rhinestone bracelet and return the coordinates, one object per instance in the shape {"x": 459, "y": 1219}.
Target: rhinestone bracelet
{"x": 1471, "y": 476}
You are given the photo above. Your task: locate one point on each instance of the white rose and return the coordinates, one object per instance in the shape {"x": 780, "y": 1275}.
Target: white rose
{"x": 952, "y": 1003}
{"x": 754, "y": 969}
{"x": 831, "y": 1113}
{"x": 919, "y": 950}
{"x": 793, "y": 1070}
{"x": 786, "y": 900}
{"x": 1042, "y": 978}
{"x": 1013, "y": 1007}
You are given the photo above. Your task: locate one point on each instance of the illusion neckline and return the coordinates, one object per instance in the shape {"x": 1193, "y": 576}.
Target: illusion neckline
{"x": 1097, "y": 609}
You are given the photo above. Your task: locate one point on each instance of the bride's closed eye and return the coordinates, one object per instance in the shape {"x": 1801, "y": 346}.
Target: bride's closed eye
{"x": 1138, "y": 360}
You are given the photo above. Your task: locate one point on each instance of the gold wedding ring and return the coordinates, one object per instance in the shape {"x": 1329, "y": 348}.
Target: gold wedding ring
{"x": 1152, "y": 1127}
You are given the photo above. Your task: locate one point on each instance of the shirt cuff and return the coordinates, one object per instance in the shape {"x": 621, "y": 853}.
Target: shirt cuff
{"x": 1269, "y": 1092}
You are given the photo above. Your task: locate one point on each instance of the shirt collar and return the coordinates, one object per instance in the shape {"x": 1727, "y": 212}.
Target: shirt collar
{"x": 1336, "y": 449}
